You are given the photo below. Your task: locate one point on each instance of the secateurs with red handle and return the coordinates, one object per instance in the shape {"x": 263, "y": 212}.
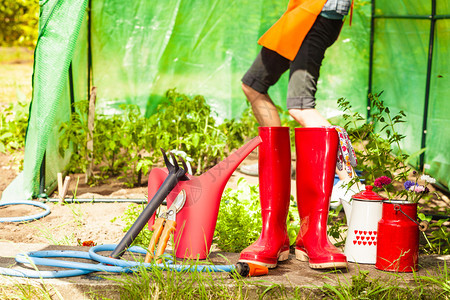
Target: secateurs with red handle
{"x": 163, "y": 227}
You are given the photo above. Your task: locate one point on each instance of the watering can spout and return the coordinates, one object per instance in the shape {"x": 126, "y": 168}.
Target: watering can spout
{"x": 347, "y": 209}
{"x": 196, "y": 222}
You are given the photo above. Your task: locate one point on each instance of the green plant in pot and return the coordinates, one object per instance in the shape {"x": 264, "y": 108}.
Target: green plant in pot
{"x": 386, "y": 166}
{"x": 398, "y": 229}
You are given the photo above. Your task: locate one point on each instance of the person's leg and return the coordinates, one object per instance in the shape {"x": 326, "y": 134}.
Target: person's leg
{"x": 265, "y": 112}
{"x": 304, "y": 73}
{"x": 310, "y": 117}
{"x": 316, "y": 149}
{"x": 263, "y": 73}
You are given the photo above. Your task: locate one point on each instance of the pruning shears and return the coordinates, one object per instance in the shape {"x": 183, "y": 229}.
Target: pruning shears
{"x": 163, "y": 227}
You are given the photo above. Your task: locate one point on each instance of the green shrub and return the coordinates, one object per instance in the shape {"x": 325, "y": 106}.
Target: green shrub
{"x": 239, "y": 222}
{"x": 128, "y": 144}
{"x": 13, "y": 126}
{"x": 19, "y": 25}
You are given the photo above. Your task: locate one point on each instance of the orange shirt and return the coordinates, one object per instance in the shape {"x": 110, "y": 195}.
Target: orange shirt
{"x": 287, "y": 34}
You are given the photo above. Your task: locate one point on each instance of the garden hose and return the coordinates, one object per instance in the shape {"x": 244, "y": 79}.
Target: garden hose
{"x": 26, "y": 218}
{"x": 105, "y": 264}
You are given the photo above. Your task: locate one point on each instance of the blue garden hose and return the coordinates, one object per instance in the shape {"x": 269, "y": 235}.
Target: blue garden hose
{"x": 26, "y": 218}
{"x": 31, "y": 259}
{"x": 105, "y": 264}
{"x": 165, "y": 267}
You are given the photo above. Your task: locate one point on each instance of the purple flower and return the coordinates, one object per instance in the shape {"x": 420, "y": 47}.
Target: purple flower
{"x": 408, "y": 184}
{"x": 382, "y": 181}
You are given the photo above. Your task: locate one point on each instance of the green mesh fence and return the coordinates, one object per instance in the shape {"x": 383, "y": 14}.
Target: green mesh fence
{"x": 137, "y": 50}
{"x": 412, "y": 80}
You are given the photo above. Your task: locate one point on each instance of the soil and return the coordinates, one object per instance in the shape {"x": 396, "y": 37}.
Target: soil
{"x": 74, "y": 223}
{"x": 67, "y": 222}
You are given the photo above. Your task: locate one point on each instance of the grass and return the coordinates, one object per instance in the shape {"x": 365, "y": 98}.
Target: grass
{"x": 69, "y": 239}
{"x": 17, "y": 289}
{"x": 157, "y": 284}
{"x": 48, "y": 234}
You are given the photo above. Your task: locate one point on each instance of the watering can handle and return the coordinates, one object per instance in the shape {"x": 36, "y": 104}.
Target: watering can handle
{"x": 423, "y": 226}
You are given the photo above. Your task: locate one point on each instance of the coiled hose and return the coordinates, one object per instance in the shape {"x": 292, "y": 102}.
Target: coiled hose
{"x": 26, "y": 218}
{"x": 104, "y": 264}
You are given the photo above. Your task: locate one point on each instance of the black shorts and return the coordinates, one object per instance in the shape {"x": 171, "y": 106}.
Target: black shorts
{"x": 304, "y": 69}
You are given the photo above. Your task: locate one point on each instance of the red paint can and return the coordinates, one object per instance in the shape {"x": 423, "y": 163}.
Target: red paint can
{"x": 398, "y": 237}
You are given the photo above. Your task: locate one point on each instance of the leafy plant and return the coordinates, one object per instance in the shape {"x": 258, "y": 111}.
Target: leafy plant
{"x": 74, "y": 135}
{"x": 373, "y": 141}
{"x": 238, "y": 131}
{"x": 128, "y": 144}
{"x": 239, "y": 221}
{"x": 188, "y": 124}
{"x": 13, "y": 126}
{"x": 129, "y": 217}
{"x": 337, "y": 227}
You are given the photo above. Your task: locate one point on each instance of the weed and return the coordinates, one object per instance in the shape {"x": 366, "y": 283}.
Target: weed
{"x": 77, "y": 213}
{"x": 48, "y": 234}
{"x": 438, "y": 238}
{"x": 337, "y": 227}
{"x": 16, "y": 289}
{"x": 361, "y": 286}
{"x": 239, "y": 220}
{"x": 129, "y": 217}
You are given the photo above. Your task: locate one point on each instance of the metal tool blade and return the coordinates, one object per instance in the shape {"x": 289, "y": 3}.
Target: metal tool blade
{"x": 176, "y": 206}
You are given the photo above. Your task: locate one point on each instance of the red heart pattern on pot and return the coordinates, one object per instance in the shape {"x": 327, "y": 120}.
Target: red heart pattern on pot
{"x": 365, "y": 237}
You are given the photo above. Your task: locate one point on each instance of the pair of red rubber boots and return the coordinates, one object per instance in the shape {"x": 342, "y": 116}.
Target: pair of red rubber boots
{"x": 316, "y": 150}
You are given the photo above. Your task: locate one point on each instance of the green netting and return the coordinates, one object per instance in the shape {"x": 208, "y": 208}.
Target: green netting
{"x": 142, "y": 48}
{"x": 60, "y": 24}
{"x": 402, "y": 8}
{"x": 203, "y": 49}
{"x": 437, "y": 156}
{"x": 345, "y": 69}
{"x": 199, "y": 47}
{"x": 400, "y": 65}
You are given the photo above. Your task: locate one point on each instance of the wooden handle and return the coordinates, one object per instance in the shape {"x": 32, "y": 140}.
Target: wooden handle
{"x": 169, "y": 227}
{"x": 157, "y": 228}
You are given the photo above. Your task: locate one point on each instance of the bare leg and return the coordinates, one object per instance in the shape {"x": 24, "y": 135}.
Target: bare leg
{"x": 312, "y": 118}
{"x": 263, "y": 108}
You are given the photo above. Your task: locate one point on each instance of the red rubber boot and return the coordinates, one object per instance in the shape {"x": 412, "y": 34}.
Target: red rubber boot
{"x": 274, "y": 187}
{"x": 316, "y": 150}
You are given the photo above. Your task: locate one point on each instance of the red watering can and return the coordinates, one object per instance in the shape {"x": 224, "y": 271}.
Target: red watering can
{"x": 196, "y": 222}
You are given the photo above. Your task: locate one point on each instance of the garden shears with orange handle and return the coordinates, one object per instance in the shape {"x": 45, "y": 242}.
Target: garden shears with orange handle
{"x": 163, "y": 227}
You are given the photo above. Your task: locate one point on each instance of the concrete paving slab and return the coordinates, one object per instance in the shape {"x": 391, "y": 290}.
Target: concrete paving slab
{"x": 291, "y": 273}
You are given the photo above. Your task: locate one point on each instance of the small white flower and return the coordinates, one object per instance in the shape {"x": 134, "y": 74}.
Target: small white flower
{"x": 428, "y": 178}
